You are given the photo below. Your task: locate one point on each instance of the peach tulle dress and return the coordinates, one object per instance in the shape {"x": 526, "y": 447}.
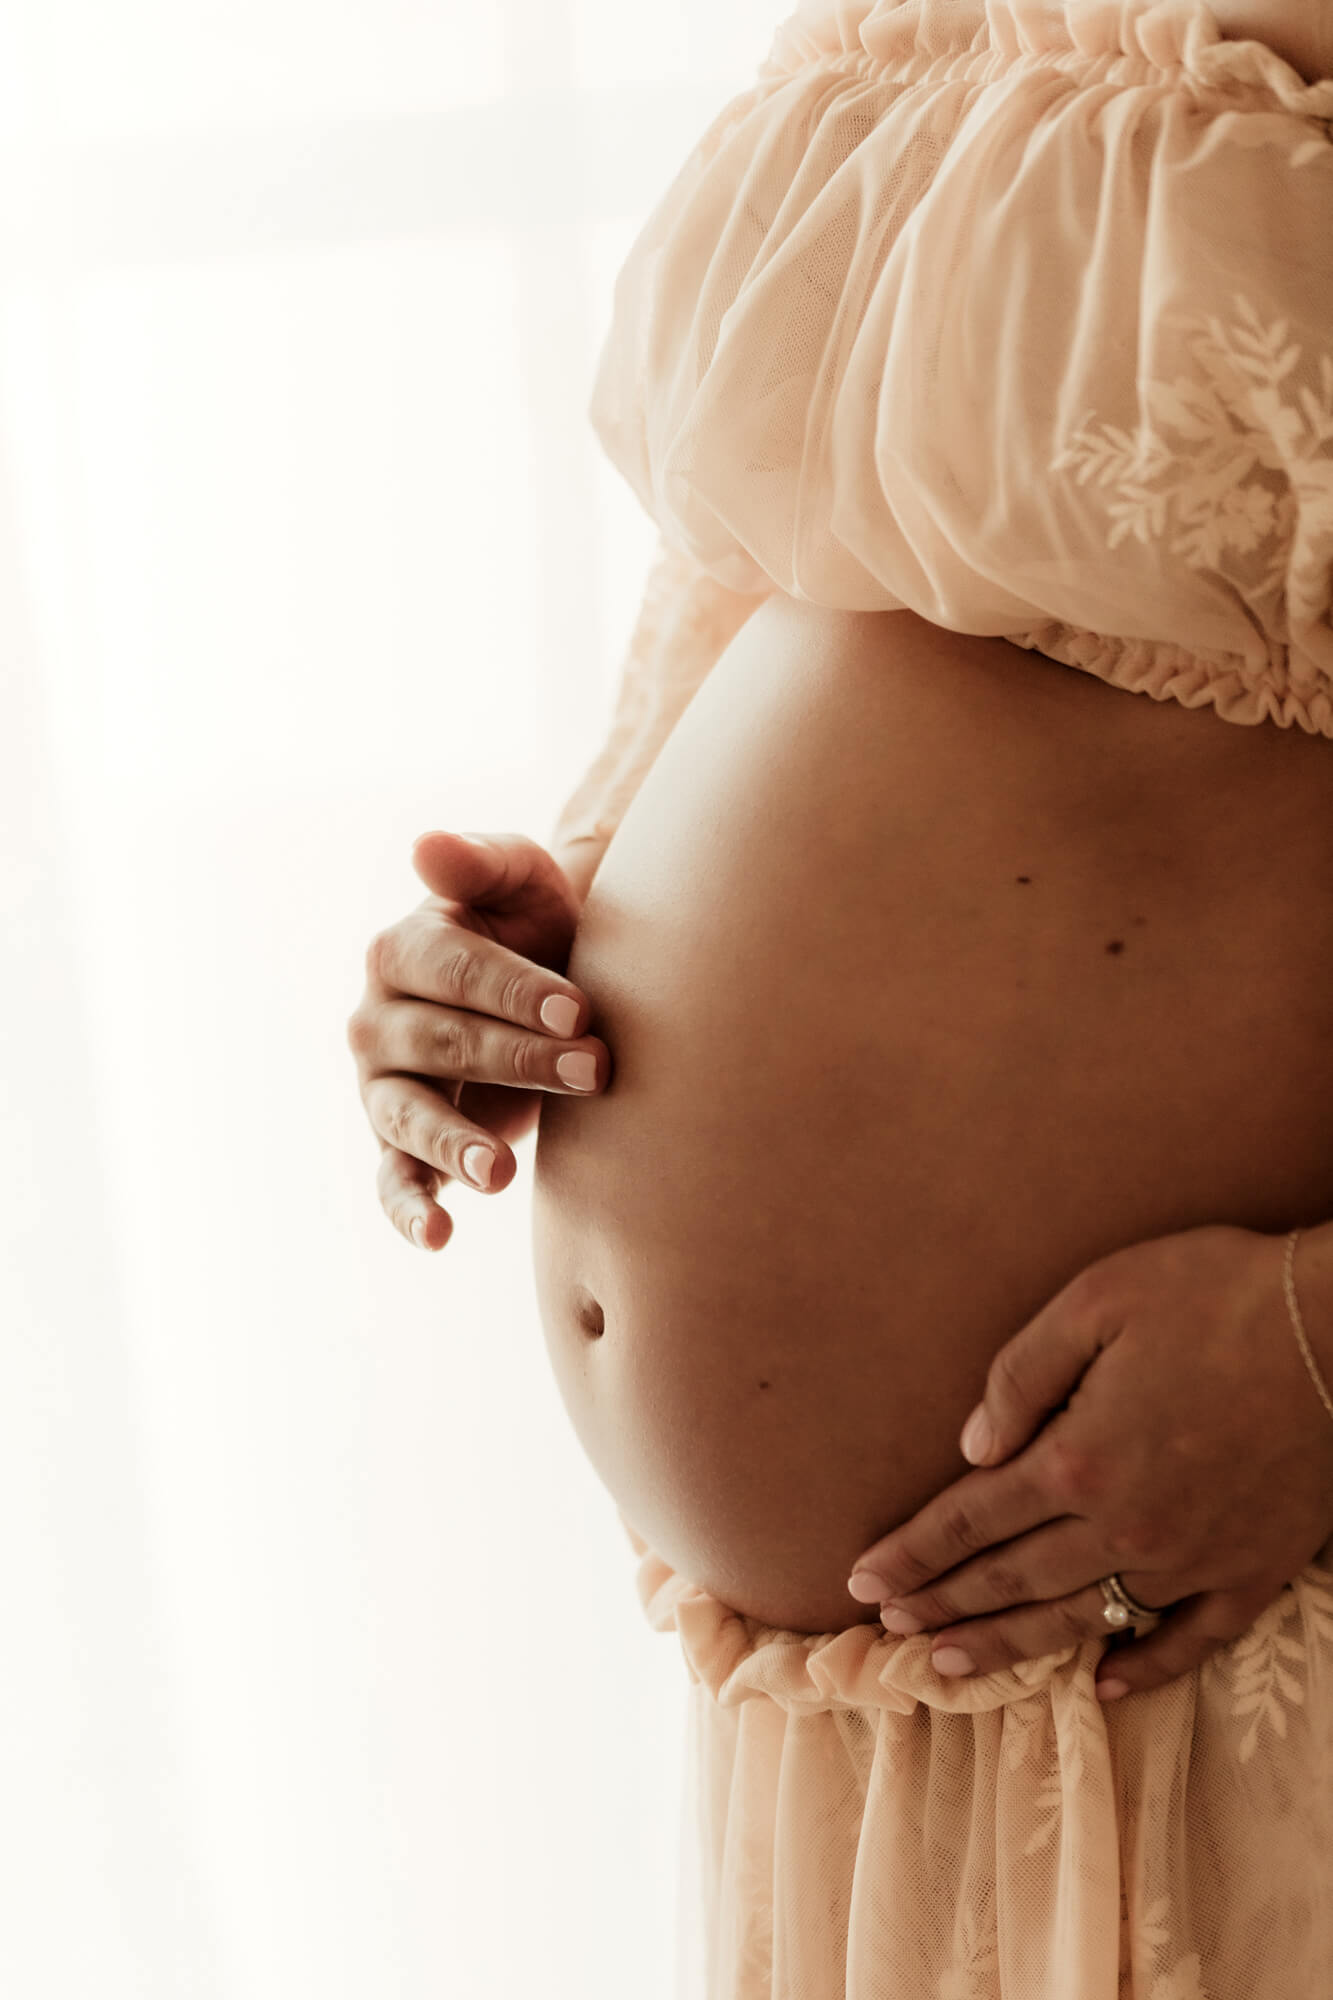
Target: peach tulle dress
{"x": 1020, "y": 317}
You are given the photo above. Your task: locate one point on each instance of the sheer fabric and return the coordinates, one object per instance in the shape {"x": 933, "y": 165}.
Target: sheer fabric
{"x": 686, "y": 621}
{"x": 858, "y": 1827}
{"x": 1016, "y": 316}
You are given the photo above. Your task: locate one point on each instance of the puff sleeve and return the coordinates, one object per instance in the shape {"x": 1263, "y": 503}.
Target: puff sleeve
{"x": 1016, "y": 315}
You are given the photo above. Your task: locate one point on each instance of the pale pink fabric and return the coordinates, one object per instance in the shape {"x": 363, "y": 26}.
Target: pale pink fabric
{"x": 859, "y": 1827}
{"x": 1020, "y": 317}
{"x": 686, "y": 621}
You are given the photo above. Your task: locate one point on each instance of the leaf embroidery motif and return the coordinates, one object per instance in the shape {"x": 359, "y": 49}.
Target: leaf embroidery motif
{"x": 1182, "y": 1982}
{"x": 1030, "y": 1738}
{"x": 973, "y": 1974}
{"x": 1154, "y": 1934}
{"x": 1231, "y": 423}
{"x": 1261, "y": 1687}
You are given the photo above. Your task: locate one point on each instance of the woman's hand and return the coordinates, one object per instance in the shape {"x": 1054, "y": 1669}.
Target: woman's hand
{"x": 454, "y": 998}
{"x": 1189, "y": 1450}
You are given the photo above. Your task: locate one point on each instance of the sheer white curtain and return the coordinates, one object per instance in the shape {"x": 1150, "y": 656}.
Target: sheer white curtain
{"x": 322, "y": 1669}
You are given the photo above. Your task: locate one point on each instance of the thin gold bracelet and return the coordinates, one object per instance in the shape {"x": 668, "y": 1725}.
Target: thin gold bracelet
{"x": 1296, "y": 1320}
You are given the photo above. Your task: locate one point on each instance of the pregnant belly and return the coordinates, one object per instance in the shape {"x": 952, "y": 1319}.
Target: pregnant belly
{"x": 931, "y": 971}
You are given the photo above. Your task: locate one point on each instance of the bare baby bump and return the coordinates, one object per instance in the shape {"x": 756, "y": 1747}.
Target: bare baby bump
{"x": 932, "y": 971}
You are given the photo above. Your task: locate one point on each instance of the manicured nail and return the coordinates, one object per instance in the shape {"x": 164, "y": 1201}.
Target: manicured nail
{"x": 579, "y": 1070}
{"x": 865, "y": 1588}
{"x": 1111, "y": 1690}
{"x": 478, "y": 1163}
{"x": 901, "y": 1622}
{"x": 953, "y": 1660}
{"x": 977, "y": 1437}
{"x": 559, "y": 1014}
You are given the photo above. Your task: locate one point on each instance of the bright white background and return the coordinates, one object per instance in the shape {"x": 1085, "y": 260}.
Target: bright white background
{"x": 322, "y": 1673}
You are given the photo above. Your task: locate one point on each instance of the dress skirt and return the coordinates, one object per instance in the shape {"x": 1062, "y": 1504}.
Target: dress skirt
{"x": 860, "y": 1827}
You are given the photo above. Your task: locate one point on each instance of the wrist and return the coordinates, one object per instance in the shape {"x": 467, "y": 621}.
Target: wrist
{"x": 1312, "y": 1275}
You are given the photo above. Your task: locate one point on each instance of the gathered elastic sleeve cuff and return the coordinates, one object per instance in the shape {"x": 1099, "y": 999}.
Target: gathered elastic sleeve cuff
{"x": 686, "y": 621}
{"x": 1015, "y": 315}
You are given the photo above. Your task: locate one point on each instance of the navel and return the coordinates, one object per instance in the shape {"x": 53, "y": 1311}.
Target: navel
{"x": 591, "y": 1318}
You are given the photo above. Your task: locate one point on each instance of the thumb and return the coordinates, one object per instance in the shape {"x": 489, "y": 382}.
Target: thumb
{"x": 1033, "y": 1375}
{"x": 493, "y": 871}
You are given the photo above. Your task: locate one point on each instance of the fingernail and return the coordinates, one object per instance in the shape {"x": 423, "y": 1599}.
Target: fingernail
{"x": 865, "y": 1588}
{"x": 478, "y": 1164}
{"x": 901, "y": 1622}
{"x": 953, "y": 1660}
{"x": 418, "y": 1228}
{"x": 1111, "y": 1690}
{"x": 977, "y": 1437}
{"x": 578, "y": 1070}
{"x": 560, "y": 1014}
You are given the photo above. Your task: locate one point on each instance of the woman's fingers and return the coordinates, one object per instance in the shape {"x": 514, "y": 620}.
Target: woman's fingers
{"x": 406, "y": 1190}
{"x": 429, "y": 955}
{"x": 448, "y": 1005}
{"x": 423, "y": 1123}
{"x": 433, "y": 1041}
{"x": 508, "y": 873}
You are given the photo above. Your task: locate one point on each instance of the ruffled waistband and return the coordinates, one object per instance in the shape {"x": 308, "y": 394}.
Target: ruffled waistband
{"x": 1127, "y": 38}
{"x": 738, "y": 1659}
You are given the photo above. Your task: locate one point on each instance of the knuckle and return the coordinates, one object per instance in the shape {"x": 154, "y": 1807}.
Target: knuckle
{"x": 963, "y": 1530}
{"x": 1001, "y": 1650}
{"x": 450, "y": 1051}
{"x": 904, "y": 1573}
{"x": 1141, "y": 1537}
{"x": 1009, "y": 1585}
{"x": 1070, "y": 1471}
{"x": 459, "y": 970}
{"x": 407, "y": 1127}
{"x": 529, "y": 1062}
{"x": 395, "y": 1122}
{"x": 379, "y": 956}
{"x": 514, "y": 1001}
{"x": 360, "y": 1033}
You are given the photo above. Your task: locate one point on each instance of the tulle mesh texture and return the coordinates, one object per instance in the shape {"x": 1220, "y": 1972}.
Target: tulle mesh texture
{"x": 859, "y": 1827}
{"x": 1015, "y": 316}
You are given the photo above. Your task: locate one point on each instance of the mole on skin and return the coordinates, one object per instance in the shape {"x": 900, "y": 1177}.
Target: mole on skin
{"x": 1116, "y": 944}
{"x": 591, "y": 1313}
{"x": 946, "y": 1015}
